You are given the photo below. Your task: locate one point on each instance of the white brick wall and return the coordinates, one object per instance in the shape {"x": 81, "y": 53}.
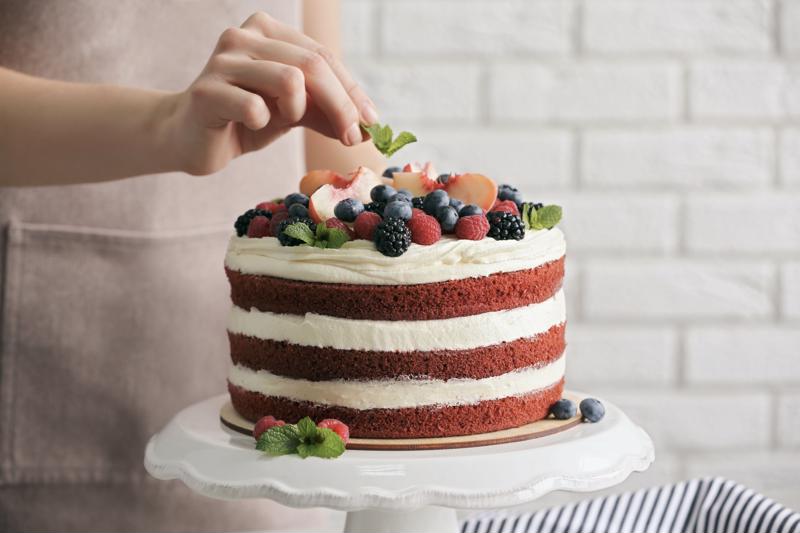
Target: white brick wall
{"x": 670, "y": 132}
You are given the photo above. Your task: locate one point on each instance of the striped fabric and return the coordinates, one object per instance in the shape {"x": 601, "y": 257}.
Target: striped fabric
{"x": 708, "y": 505}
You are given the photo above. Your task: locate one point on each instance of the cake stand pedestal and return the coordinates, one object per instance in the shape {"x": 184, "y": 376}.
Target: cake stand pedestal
{"x": 397, "y": 491}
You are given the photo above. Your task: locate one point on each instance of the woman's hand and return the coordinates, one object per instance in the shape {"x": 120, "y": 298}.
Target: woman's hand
{"x": 262, "y": 79}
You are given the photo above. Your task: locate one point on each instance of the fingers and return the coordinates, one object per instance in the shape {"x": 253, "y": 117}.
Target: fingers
{"x": 274, "y": 29}
{"x": 230, "y": 103}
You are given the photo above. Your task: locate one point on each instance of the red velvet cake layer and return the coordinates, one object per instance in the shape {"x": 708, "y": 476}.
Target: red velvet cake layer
{"x": 427, "y": 421}
{"x": 447, "y": 299}
{"x": 320, "y": 364}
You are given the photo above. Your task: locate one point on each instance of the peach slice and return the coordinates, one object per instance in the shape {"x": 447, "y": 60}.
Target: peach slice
{"x": 317, "y": 178}
{"x": 473, "y": 189}
{"x": 419, "y": 179}
{"x": 359, "y": 183}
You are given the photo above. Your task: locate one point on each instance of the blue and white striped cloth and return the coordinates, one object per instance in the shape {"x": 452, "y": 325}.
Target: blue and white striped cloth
{"x": 708, "y": 505}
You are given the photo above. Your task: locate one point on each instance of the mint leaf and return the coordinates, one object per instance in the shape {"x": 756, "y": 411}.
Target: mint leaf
{"x": 549, "y": 215}
{"x": 327, "y": 445}
{"x": 307, "y": 429}
{"x": 382, "y": 138}
{"x": 526, "y": 215}
{"x": 322, "y": 231}
{"x": 336, "y": 238}
{"x": 279, "y": 440}
{"x": 300, "y": 231}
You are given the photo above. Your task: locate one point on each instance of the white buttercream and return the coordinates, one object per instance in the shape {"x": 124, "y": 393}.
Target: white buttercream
{"x": 458, "y": 333}
{"x": 398, "y": 393}
{"x": 358, "y": 262}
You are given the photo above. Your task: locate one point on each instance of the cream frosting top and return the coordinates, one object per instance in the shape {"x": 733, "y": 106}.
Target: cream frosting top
{"x": 358, "y": 262}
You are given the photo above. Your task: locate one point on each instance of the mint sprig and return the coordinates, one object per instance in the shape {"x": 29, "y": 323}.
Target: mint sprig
{"x": 324, "y": 237}
{"x": 382, "y": 138}
{"x": 304, "y": 439}
{"x": 545, "y": 217}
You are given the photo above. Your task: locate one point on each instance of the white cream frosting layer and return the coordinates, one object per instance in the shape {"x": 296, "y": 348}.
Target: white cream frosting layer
{"x": 458, "y": 333}
{"x": 357, "y": 262}
{"x": 395, "y": 394}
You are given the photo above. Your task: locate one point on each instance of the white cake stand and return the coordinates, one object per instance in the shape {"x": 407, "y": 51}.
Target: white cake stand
{"x": 397, "y": 491}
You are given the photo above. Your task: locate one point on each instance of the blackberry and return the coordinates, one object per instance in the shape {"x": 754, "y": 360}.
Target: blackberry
{"x": 538, "y": 205}
{"x": 244, "y": 219}
{"x": 505, "y": 226}
{"x": 417, "y": 201}
{"x": 375, "y": 207}
{"x": 284, "y": 239}
{"x": 392, "y": 237}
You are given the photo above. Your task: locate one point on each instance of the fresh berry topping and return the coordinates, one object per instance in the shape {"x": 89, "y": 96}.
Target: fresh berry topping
{"x": 375, "y": 207}
{"x": 365, "y": 225}
{"x": 403, "y": 195}
{"x": 424, "y": 229}
{"x": 296, "y": 198}
{"x": 335, "y": 223}
{"x": 470, "y": 210}
{"x": 244, "y": 219}
{"x": 506, "y": 206}
{"x": 397, "y": 209}
{"x": 538, "y": 205}
{"x": 456, "y": 204}
{"x": 259, "y": 227}
{"x": 563, "y": 409}
{"x": 434, "y": 200}
{"x": 447, "y": 217}
{"x": 392, "y": 237}
{"x": 272, "y": 207}
{"x": 291, "y": 241}
{"x": 443, "y": 178}
{"x": 298, "y": 211}
{"x": 473, "y": 227}
{"x": 507, "y": 192}
{"x": 337, "y": 426}
{"x": 592, "y": 410}
{"x": 389, "y": 172}
{"x": 264, "y": 424}
{"x": 418, "y": 201}
{"x": 382, "y": 193}
{"x": 415, "y": 211}
{"x": 348, "y": 209}
{"x": 505, "y": 226}
{"x": 277, "y": 218}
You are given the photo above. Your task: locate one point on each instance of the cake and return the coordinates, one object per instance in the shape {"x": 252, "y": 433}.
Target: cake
{"x": 463, "y": 335}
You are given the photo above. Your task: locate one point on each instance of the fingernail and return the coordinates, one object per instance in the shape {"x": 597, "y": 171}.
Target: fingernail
{"x": 353, "y": 135}
{"x": 369, "y": 113}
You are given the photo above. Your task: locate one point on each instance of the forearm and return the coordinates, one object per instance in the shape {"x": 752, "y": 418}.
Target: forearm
{"x": 54, "y": 132}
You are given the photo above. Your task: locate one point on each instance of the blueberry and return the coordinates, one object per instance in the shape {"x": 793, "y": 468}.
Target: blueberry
{"x": 403, "y": 195}
{"x": 298, "y": 210}
{"x": 397, "y": 209}
{"x": 456, "y": 204}
{"x": 348, "y": 209}
{"x": 389, "y": 172}
{"x": 447, "y": 217}
{"x": 443, "y": 178}
{"x": 381, "y": 193}
{"x": 470, "y": 210}
{"x": 434, "y": 200}
{"x": 563, "y": 409}
{"x": 296, "y": 198}
{"x": 507, "y": 192}
{"x": 592, "y": 410}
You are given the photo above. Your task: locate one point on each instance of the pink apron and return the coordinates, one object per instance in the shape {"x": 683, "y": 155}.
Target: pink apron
{"x": 114, "y": 298}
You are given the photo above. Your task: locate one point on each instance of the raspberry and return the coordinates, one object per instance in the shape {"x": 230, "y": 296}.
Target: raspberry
{"x": 337, "y": 426}
{"x": 338, "y": 224}
{"x": 272, "y": 207}
{"x": 277, "y": 218}
{"x": 259, "y": 227}
{"x": 264, "y": 424}
{"x": 507, "y": 206}
{"x": 424, "y": 228}
{"x": 417, "y": 211}
{"x": 365, "y": 225}
{"x": 244, "y": 220}
{"x": 473, "y": 228}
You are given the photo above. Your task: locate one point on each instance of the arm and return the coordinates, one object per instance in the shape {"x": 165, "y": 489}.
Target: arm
{"x": 262, "y": 79}
{"x": 321, "y": 23}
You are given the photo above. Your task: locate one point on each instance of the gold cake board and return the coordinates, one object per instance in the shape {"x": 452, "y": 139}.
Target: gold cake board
{"x": 230, "y": 418}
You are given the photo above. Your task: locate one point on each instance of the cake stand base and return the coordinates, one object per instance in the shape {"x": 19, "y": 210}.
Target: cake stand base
{"x": 423, "y": 520}
{"x": 397, "y": 490}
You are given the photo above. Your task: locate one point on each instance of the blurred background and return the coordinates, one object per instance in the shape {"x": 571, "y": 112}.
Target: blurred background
{"x": 670, "y": 132}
